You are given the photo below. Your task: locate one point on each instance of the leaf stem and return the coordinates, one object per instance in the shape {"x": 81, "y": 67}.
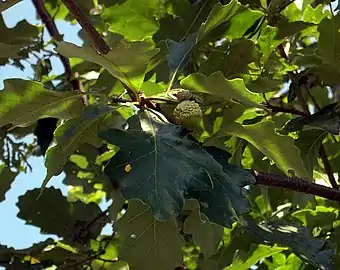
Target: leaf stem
{"x": 285, "y": 110}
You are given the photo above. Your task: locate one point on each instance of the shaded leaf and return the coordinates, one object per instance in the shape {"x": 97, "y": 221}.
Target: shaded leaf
{"x": 24, "y": 102}
{"x": 8, "y": 255}
{"x": 6, "y": 179}
{"x": 166, "y": 167}
{"x": 127, "y": 61}
{"x": 147, "y": 243}
{"x": 7, "y": 4}
{"x": 17, "y": 41}
{"x": 217, "y": 84}
{"x": 328, "y": 118}
{"x": 309, "y": 143}
{"x": 75, "y": 132}
{"x": 205, "y": 234}
{"x": 53, "y": 214}
{"x": 179, "y": 54}
{"x": 298, "y": 239}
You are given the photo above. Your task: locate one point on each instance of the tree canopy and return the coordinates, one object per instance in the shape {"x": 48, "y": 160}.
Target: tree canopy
{"x": 211, "y": 128}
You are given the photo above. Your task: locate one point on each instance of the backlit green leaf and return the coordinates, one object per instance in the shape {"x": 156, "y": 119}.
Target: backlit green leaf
{"x": 256, "y": 253}
{"x": 279, "y": 148}
{"x": 147, "y": 243}
{"x": 134, "y": 20}
{"x": 127, "y": 61}
{"x": 216, "y": 84}
{"x": 24, "y": 102}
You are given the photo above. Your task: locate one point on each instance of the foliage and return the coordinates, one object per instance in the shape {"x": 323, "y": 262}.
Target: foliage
{"x": 210, "y": 126}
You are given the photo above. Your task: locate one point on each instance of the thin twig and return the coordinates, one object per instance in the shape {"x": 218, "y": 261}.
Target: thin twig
{"x": 322, "y": 152}
{"x": 93, "y": 221}
{"x": 328, "y": 167}
{"x": 54, "y": 33}
{"x": 296, "y": 184}
{"x": 97, "y": 40}
{"x": 285, "y": 110}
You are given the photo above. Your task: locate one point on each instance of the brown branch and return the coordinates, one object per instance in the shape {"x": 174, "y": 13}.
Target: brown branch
{"x": 296, "y": 184}
{"x": 328, "y": 167}
{"x": 285, "y": 110}
{"x": 97, "y": 40}
{"x": 54, "y": 33}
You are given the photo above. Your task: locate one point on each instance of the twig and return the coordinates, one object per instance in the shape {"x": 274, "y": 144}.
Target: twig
{"x": 322, "y": 152}
{"x": 53, "y": 31}
{"x": 94, "y": 220}
{"x": 285, "y": 110}
{"x": 97, "y": 40}
{"x": 328, "y": 167}
{"x": 296, "y": 184}
{"x": 81, "y": 18}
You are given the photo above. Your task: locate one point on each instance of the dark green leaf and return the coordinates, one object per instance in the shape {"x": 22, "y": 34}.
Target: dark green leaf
{"x": 75, "y": 132}
{"x": 6, "y": 179}
{"x": 167, "y": 167}
{"x": 7, "y": 4}
{"x": 53, "y": 214}
{"x": 179, "y": 53}
{"x": 309, "y": 143}
{"x": 298, "y": 239}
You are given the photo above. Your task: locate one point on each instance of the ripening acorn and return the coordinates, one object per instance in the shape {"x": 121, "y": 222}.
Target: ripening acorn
{"x": 187, "y": 112}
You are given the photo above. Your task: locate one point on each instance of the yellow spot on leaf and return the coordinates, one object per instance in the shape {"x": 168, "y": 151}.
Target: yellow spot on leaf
{"x": 127, "y": 168}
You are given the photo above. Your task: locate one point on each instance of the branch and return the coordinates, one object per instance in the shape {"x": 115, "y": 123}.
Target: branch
{"x": 53, "y": 31}
{"x": 81, "y": 18}
{"x": 97, "y": 41}
{"x": 296, "y": 184}
{"x": 285, "y": 110}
